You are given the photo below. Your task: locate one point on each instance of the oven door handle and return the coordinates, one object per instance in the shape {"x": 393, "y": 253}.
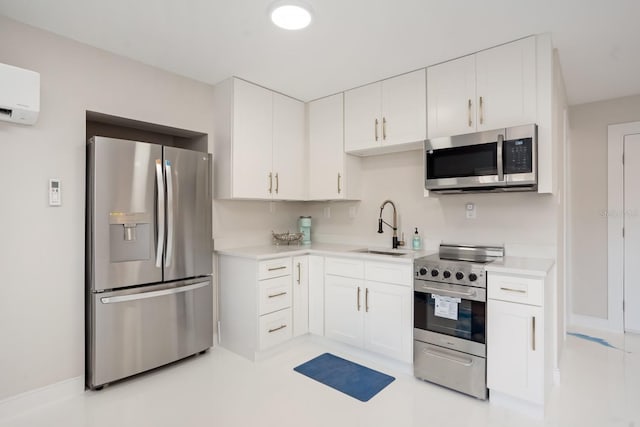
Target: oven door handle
{"x": 442, "y": 355}
{"x": 448, "y": 293}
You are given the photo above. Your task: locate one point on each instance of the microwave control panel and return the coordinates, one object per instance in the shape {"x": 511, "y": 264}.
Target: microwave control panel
{"x": 518, "y": 156}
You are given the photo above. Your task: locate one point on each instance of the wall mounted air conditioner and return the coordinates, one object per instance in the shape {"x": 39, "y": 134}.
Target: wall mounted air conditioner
{"x": 19, "y": 95}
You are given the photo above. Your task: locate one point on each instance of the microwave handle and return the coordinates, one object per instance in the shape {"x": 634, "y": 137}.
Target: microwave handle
{"x": 500, "y": 163}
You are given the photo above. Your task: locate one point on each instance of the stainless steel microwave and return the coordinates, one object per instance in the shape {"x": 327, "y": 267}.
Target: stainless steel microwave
{"x": 496, "y": 160}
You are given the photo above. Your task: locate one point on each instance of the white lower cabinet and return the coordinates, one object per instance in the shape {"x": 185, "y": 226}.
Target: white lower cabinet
{"x": 367, "y": 313}
{"x": 300, "y": 305}
{"x": 518, "y": 349}
{"x": 257, "y": 303}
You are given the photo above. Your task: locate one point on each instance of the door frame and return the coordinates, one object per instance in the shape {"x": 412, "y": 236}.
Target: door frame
{"x": 615, "y": 222}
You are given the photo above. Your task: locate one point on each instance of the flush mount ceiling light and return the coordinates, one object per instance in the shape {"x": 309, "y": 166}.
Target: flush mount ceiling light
{"x": 290, "y": 15}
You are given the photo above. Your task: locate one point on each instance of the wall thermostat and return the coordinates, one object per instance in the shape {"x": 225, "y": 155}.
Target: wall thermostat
{"x": 55, "y": 193}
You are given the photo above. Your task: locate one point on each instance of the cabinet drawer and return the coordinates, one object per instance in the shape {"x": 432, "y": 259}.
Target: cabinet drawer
{"x": 524, "y": 290}
{"x": 398, "y": 274}
{"x": 274, "y": 268}
{"x": 344, "y": 267}
{"x": 275, "y": 328}
{"x": 274, "y": 294}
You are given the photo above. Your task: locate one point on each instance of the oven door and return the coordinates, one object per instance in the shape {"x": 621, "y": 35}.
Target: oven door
{"x": 450, "y": 316}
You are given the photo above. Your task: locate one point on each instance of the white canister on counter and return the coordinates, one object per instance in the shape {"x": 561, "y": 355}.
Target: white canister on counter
{"x": 304, "y": 224}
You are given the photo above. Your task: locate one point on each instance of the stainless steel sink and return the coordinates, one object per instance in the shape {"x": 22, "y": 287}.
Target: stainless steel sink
{"x": 381, "y": 252}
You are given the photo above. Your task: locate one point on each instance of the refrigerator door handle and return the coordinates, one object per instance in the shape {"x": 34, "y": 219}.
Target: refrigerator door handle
{"x": 153, "y": 294}
{"x": 160, "y": 209}
{"x": 169, "y": 254}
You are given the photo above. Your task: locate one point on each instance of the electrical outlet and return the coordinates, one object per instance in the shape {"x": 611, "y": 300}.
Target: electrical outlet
{"x": 470, "y": 209}
{"x": 327, "y": 212}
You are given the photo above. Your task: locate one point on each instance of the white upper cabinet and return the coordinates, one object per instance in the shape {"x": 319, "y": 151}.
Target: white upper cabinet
{"x": 386, "y": 116}
{"x": 259, "y": 143}
{"x": 289, "y": 167}
{"x": 488, "y": 90}
{"x": 451, "y": 94}
{"x": 333, "y": 175}
{"x": 251, "y": 148}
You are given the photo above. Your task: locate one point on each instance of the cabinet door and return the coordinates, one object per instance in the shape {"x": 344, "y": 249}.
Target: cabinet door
{"x": 344, "y": 309}
{"x": 289, "y": 165}
{"x": 451, "y": 98}
{"x": 506, "y": 82}
{"x": 515, "y": 350}
{"x": 388, "y": 327}
{"x": 362, "y": 121}
{"x": 404, "y": 108}
{"x": 252, "y": 133}
{"x": 326, "y": 148}
{"x": 300, "y": 295}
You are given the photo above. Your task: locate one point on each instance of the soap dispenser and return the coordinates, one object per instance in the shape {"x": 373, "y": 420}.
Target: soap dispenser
{"x": 417, "y": 241}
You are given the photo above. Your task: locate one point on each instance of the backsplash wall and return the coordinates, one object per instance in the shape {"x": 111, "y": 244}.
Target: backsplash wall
{"x": 524, "y": 222}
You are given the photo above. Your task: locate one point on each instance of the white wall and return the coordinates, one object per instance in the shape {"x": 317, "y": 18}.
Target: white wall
{"x": 588, "y": 200}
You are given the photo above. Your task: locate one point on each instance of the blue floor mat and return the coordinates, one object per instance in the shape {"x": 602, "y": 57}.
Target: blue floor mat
{"x": 348, "y": 377}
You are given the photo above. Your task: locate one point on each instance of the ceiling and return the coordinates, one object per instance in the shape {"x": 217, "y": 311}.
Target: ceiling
{"x": 350, "y": 42}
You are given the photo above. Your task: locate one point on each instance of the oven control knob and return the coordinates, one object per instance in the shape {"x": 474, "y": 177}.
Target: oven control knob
{"x": 434, "y": 272}
{"x": 459, "y": 275}
{"x": 422, "y": 271}
{"x": 446, "y": 274}
{"x": 473, "y": 277}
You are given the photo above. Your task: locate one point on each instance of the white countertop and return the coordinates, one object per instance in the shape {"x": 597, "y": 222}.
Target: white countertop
{"x": 511, "y": 265}
{"x": 273, "y": 251}
{"x": 520, "y": 265}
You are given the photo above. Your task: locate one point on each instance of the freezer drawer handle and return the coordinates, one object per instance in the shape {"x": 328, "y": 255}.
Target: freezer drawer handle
{"x": 153, "y": 294}
{"x": 451, "y": 358}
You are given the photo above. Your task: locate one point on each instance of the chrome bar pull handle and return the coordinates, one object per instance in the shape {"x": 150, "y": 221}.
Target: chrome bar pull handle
{"x": 481, "y": 112}
{"x": 358, "y": 299}
{"x": 500, "y": 163}
{"x": 277, "y": 183}
{"x": 376, "y": 128}
{"x": 282, "y": 267}
{"x": 339, "y": 183}
{"x": 277, "y": 329}
{"x": 384, "y": 128}
{"x": 521, "y": 291}
{"x": 533, "y": 333}
{"x": 469, "y": 113}
{"x": 299, "y": 275}
{"x": 277, "y": 295}
{"x": 366, "y": 300}
{"x": 170, "y": 209}
{"x": 270, "y": 182}
{"x": 160, "y": 213}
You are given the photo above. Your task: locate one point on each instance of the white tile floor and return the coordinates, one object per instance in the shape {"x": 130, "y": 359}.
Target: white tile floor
{"x": 600, "y": 387}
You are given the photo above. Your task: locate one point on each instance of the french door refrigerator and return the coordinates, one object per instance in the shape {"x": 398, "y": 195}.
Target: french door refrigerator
{"x": 149, "y": 298}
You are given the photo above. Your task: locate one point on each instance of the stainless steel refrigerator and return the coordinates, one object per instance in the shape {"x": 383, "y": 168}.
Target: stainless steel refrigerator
{"x": 149, "y": 257}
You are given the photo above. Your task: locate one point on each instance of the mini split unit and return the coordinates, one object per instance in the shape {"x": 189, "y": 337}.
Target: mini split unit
{"x": 19, "y": 95}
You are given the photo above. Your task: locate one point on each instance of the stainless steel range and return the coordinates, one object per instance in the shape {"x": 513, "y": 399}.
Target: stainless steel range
{"x": 450, "y": 299}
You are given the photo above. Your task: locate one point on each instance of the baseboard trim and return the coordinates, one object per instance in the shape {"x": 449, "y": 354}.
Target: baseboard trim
{"x": 23, "y": 402}
{"x": 590, "y": 322}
